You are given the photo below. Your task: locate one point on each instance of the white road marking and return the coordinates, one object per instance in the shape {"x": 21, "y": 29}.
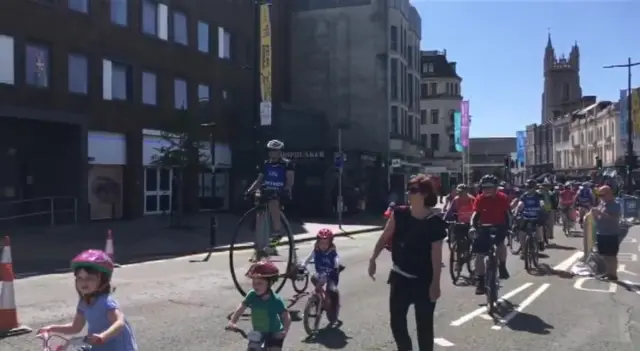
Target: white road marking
{"x": 621, "y": 268}
{"x": 458, "y": 322}
{"x": 442, "y": 342}
{"x": 566, "y": 264}
{"x": 630, "y": 241}
{"x": 628, "y": 257}
{"x": 580, "y": 281}
{"x": 521, "y": 306}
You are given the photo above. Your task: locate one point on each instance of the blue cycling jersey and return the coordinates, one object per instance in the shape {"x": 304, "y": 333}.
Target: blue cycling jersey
{"x": 531, "y": 205}
{"x": 275, "y": 174}
{"x": 325, "y": 261}
{"x": 585, "y": 195}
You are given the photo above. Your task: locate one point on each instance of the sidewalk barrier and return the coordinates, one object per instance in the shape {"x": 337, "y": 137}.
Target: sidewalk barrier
{"x": 9, "y": 325}
{"x": 108, "y": 248}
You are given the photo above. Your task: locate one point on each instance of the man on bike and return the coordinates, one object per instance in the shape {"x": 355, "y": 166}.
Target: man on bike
{"x": 584, "y": 200}
{"x": 460, "y": 211}
{"x": 550, "y": 206}
{"x": 566, "y": 204}
{"x": 490, "y": 208}
{"x": 530, "y": 209}
{"x": 275, "y": 181}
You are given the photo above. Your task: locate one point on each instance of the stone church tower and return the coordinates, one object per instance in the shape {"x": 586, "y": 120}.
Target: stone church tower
{"x": 562, "y": 91}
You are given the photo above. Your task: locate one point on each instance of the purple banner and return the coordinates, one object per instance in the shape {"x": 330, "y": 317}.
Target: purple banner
{"x": 465, "y": 123}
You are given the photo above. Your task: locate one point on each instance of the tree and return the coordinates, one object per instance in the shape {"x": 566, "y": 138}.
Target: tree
{"x": 183, "y": 148}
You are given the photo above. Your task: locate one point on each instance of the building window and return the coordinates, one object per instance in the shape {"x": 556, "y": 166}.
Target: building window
{"x": 423, "y": 117}
{"x": 393, "y": 32}
{"x": 565, "y": 92}
{"x": 7, "y": 60}
{"x": 150, "y": 17}
{"x": 433, "y": 88}
{"x": 115, "y": 82}
{"x": 78, "y": 73}
{"x": 180, "y": 28}
{"x": 394, "y": 120}
{"x": 410, "y": 56}
{"x": 435, "y": 116}
{"x": 435, "y": 142}
{"x": 424, "y": 90}
{"x": 180, "y": 94}
{"x": 394, "y": 79}
{"x": 203, "y": 92}
{"x": 224, "y": 43}
{"x": 37, "y": 66}
{"x": 79, "y": 5}
{"x": 423, "y": 140}
{"x": 119, "y": 12}
{"x": 149, "y": 88}
{"x": 203, "y": 36}
{"x": 452, "y": 143}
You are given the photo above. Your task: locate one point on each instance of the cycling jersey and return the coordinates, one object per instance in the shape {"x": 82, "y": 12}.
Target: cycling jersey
{"x": 566, "y": 197}
{"x": 531, "y": 205}
{"x": 492, "y": 210}
{"x": 274, "y": 174}
{"x": 463, "y": 207}
{"x": 585, "y": 196}
{"x": 546, "y": 199}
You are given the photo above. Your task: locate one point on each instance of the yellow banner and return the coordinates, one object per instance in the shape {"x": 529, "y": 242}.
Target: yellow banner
{"x": 265, "y": 52}
{"x": 635, "y": 105}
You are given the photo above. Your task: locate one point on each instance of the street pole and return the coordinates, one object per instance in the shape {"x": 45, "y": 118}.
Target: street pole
{"x": 213, "y": 220}
{"x": 630, "y": 161}
{"x": 340, "y": 205}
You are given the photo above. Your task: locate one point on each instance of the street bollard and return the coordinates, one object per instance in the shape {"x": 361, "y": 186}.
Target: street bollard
{"x": 213, "y": 230}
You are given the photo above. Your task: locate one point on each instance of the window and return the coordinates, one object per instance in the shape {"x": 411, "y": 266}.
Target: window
{"x": 224, "y": 43}
{"x": 180, "y": 94}
{"x": 424, "y": 90}
{"x": 37, "y": 66}
{"x": 393, "y": 31}
{"x": 149, "y": 17}
{"x": 410, "y": 56}
{"x": 149, "y": 88}
{"x": 115, "y": 81}
{"x": 203, "y": 92}
{"x": 394, "y": 79}
{"x": 394, "y": 120}
{"x": 180, "y": 28}
{"x": 452, "y": 143}
{"x": 435, "y": 142}
{"x": 7, "y": 60}
{"x": 119, "y": 13}
{"x": 79, "y": 5}
{"x": 78, "y": 73}
{"x": 410, "y": 90}
{"x": 203, "y": 36}
{"x": 435, "y": 116}
{"x": 433, "y": 88}
{"x": 423, "y": 140}
{"x": 565, "y": 92}
{"x": 423, "y": 117}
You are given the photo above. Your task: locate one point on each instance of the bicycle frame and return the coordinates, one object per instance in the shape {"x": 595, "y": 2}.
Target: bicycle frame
{"x": 79, "y": 341}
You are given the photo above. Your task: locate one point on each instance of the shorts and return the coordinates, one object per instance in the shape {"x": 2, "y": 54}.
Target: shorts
{"x": 482, "y": 241}
{"x": 461, "y": 231}
{"x": 332, "y": 280}
{"x": 538, "y": 222}
{"x": 270, "y": 340}
{"x": 608, "y": 245}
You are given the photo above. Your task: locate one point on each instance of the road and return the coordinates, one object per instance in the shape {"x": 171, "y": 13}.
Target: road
{"x": 179, "y": 305}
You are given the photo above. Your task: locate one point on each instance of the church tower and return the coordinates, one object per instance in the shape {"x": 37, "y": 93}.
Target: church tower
{"x": 562, "y": 91}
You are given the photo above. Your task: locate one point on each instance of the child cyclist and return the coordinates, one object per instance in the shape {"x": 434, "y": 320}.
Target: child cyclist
{"x": 107, "y": 329}
{"x": 269, "y": 316}
{"x": 327, "y": 265}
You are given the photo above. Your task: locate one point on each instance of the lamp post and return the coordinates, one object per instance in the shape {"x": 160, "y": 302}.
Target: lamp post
{"x": 630, "y": 161}
{"x": 204, "y": 104}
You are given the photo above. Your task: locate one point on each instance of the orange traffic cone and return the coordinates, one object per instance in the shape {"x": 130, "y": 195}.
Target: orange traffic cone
{"x": 9, "y": 325}
{"x": 108, "y": 247}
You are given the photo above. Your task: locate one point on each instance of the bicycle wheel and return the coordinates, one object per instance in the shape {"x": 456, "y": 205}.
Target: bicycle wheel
{"x": 300, "y": 283}
{"x": 514, "y": 242}
{"x": 312, "y": 315}
{"x": 533, "y": 253}
{"x": 454, "y": 263}
{"x": 525, "y": 252}
{"x": 491, "y": 283}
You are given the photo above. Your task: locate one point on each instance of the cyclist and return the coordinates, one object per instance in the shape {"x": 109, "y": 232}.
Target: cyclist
{"x": 326, "y": 263}
{"x": 269, "y": 315}
{"x": 584, "y": 200}
{"x": 460, "y": 211}
{"x": 275, "y": 177}
{"x": 492, "y": 208}
{"x": 566, "y": 202}
{"x": 530, "y": 208}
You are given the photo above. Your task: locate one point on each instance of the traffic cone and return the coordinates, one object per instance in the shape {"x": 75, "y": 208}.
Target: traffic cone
{"x": 9, "y": 325}
{"x": 108, "y": 248}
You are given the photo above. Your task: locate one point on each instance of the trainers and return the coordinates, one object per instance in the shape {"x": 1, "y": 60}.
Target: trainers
{"x": 503, "y": 273}
{"x": 480, "y": 288}
{"x": 541, "y": 246}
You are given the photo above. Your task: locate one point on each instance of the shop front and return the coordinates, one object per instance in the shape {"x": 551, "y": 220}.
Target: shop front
{"x": 310, "y": 194}
{"x": 107, "y": 159}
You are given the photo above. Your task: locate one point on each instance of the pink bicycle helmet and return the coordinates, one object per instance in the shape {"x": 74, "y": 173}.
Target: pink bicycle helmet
{"x": 95, "y": 259}
{"x": 324, "y": 234}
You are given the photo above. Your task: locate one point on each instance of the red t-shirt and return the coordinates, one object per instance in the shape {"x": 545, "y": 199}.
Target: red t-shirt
{"x": 492, "y": 209}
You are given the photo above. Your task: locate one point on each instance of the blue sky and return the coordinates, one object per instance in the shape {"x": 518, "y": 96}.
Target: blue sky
{"x": 499, "y": 47}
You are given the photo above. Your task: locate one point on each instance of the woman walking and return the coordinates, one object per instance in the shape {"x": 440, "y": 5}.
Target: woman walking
{"x": 415, "y": 235}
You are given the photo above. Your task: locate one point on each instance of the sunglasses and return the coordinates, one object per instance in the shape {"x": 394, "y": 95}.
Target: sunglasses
{"x": 413, "y": 190}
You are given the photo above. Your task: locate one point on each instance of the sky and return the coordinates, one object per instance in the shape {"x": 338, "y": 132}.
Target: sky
{"x": 499, "y": 47}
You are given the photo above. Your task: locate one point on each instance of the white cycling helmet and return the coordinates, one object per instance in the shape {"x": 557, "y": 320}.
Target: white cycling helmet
{"x": 275, "y": 145}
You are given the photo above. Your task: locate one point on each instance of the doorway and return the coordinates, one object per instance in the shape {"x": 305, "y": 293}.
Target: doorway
{"x": 157, "y": 190}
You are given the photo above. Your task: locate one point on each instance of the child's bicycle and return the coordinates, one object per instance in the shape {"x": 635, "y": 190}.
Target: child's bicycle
{"x": 68, "y": 344}
{"x": 318, "y": 303}
{"x": 256, "y": 339}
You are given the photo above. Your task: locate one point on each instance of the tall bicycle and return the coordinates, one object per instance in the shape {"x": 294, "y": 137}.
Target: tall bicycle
{"x": 262, "y": 230}
{"x": 492, "y": 282}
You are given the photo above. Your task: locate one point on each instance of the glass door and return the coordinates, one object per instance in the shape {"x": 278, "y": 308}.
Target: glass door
{"x": 157, "y": 190}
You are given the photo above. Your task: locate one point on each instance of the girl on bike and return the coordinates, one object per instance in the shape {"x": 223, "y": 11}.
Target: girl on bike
{"x": 269, "y": 316}
{"x": 327, "y": 265}
{"x": 107, "y": 327}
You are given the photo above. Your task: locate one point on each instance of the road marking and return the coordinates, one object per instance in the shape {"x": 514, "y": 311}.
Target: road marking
{"x": 442, "y": 342}
{"x": 566, "y": 264}
{"x": 621, "y": 268}
{"x": 629, "y": 257}
{"x": 534, "y": 295}
{"x": 580, "y": 281}
{"x": 630, "y": 241}
{"x": 458, "y": 322}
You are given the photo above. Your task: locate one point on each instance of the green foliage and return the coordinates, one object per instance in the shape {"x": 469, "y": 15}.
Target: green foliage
{"x": 183, "y": 143}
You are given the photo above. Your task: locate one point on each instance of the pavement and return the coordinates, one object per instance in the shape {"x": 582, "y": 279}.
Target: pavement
{"x": 178, "y": 304}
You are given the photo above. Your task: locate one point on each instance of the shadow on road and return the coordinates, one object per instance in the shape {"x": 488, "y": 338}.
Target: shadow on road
{"x": 545, "y": 270}
{"x": 529, "y": 323}
{"x": 332, "y": 338}
{"x": 554, "y": 246}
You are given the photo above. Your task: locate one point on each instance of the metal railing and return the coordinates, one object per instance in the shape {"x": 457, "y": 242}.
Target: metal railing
{"x": 49, "y": 210}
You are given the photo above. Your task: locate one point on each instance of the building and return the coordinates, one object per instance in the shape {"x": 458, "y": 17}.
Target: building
{"x": 356, "y": 64}
{"x": 85, "y": 86}
{"x": 487, "y": 156}
{"x": 440, "y": 97}
{"x": 539, "y": 149}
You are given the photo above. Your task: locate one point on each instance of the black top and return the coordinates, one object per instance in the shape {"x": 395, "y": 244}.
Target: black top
{"x": 411, "y": 242}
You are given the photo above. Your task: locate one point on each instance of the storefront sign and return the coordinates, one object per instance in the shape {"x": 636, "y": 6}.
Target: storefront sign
{"x": 304, "y": 154}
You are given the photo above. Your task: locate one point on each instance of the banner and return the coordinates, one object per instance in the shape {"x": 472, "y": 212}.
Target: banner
{"x": 521, "y": 144}
{"x": 465, "y": 123}
{"x": 624, "y": 115}
{"x": 635, "y": 114}
{"x": 265, "y": 64}
{"x": 457, "y": 125}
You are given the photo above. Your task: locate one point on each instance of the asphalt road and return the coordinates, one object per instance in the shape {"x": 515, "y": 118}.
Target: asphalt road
{"x": 180, "y": 305}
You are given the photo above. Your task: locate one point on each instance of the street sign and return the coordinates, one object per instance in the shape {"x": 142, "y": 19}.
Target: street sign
{"x": 339, "y": 161}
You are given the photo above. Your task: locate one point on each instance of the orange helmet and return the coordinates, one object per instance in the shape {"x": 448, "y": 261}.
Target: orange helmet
{"x": 263, "y": 269}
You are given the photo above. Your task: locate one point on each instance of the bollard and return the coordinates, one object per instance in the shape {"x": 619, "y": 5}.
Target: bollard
{"x": 213, "y": 230}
